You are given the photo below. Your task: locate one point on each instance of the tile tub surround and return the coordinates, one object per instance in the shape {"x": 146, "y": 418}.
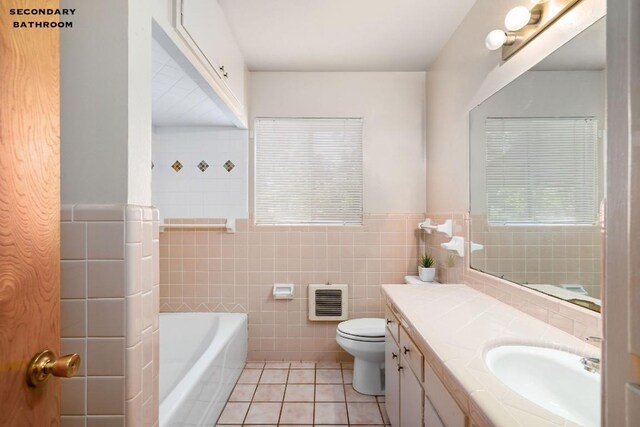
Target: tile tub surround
{"x": 216, "y": 271}
{"x": 454, "y": 324}
{"x": 569, "y": 317}
{"x": 109, "y": 313}
{"x": 300, "y": 393}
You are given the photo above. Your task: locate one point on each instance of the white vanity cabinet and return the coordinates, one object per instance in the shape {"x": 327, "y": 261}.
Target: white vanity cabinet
{"x": 403, "y": 396}
{"x": 414, "y": 395}
{"x": 204, "y": 28}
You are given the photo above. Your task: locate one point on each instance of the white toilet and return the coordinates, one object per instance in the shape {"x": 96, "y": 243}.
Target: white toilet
{"x": 364, "y": 340}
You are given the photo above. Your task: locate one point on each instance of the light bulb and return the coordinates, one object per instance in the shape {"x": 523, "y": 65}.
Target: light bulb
{"x": 495, "y": 39}
{"x": 517, "y": 18}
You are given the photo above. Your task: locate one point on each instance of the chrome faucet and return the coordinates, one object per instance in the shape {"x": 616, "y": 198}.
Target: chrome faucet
{"x": 591, "y": 364}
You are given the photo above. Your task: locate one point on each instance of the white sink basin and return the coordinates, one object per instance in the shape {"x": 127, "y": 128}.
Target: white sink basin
{"x": 552, "y": 379}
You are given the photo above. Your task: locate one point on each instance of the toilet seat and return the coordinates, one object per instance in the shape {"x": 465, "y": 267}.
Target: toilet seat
{"x": 366, "y": 330}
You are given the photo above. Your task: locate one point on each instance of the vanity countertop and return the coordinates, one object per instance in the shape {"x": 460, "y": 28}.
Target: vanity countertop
{"x": 454, "y": 325}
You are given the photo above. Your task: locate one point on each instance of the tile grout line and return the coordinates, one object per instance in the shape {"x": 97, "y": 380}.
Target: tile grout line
{"x": 315, "y": 389}
{"x": 284, "y": 393}
{"x": 344, "y": 392}
{"x": 244, "y": 419}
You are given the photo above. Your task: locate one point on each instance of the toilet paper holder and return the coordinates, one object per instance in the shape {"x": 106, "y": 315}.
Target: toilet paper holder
{"x": 283, "y": 291}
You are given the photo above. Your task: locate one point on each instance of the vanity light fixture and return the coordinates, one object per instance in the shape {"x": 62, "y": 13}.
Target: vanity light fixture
{"x": 498, "y": 38}
{"x": 519, "y": 17}
{"x": 524, "y": 24}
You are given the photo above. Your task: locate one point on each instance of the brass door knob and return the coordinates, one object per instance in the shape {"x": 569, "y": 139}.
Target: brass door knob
{"x": 44, "y": 364}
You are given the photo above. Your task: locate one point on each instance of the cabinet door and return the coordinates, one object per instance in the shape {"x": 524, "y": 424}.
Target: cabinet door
{"x": 431, "y": 418}
{"x": 204, "y": 24}
{"x": 208, "y": 32}
{"x": 392, "y": 381}
{"x": 444, "y": 404}
{"x": 411, "y": 396}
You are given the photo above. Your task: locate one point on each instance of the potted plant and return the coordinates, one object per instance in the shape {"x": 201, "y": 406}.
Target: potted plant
{"x": 426, "y": 270}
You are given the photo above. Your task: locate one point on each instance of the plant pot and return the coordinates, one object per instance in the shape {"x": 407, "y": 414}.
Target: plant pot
{"x": 427, "y": 274}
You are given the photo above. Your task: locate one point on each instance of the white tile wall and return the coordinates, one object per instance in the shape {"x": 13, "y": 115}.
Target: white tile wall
{"x": 191, "y": 193}
{"x": 109, "y": 314}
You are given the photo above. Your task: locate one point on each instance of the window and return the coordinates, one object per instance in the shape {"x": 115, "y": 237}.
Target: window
{"x": 542, "y": 170}
{"x": 308, "y": 171}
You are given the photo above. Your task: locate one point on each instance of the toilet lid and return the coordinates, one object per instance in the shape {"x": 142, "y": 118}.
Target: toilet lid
{"x": 366, "y": 328}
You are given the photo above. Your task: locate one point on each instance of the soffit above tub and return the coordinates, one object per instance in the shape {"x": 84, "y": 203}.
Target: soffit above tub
{"x": 177, "y": 99}
{"x": 343, "y": 35}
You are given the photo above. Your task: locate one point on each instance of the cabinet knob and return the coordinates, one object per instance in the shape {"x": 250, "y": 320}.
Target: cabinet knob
{"x": 389, "y": 321}
{"x": 400, "y": 368}
{"x": 394, "y": 356}
{"x": 406, "y": 350}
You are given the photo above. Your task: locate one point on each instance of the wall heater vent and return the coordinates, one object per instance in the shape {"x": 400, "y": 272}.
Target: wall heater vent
{"x": 328, "y": 302}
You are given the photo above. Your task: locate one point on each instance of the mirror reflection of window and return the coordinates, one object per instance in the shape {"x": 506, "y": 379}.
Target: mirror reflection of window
{"x": 537, "y": 173}
{"x": 542, "y": 171}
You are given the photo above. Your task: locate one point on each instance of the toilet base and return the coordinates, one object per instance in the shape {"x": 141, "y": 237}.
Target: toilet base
{"x": 368, "y": 377}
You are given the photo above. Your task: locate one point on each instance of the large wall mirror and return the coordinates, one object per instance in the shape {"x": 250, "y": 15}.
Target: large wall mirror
{"x": 537, "y": 174}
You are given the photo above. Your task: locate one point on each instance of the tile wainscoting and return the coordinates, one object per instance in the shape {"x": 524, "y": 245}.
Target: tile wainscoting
{"x": 109, "y": 314}
{"x": 540, "y": 254}
{"x": 569, "y": 317}
{"x": 210, "y": 270}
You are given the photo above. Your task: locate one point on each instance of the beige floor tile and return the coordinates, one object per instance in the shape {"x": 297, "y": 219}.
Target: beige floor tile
{"x": 274, "y": 376}
{"x": 364, "y": 413}
{"x": 254, "y": 365}
{"x": 269, "y": 393}
{"x": 383, "y": 410}
{"x": 303, "y": 365}
{"x": 263, "y": 413}
{"x": 348, "y": 366}
{"x": 299, "y": 393}
{"x": 354, "y": 396}
{"x": 277, "y": 365}
{"x": 301, "y": 376}
{"x": 347, "y": 376}
{"x": 250, "y": 376}
{"x": 233, "y": 413}
{"x": 329, "y": 393}
{"x": 331, "y": 413}
{"x": 297, "y": 413}
{"x": 328, "y": 376}
{"x": 242, "y": 393}
{"x": 328, "y": 365}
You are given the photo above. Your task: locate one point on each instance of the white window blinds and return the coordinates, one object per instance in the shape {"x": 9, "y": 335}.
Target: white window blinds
{"x": 542, "y": 170}
{"x": 308, "y": 171}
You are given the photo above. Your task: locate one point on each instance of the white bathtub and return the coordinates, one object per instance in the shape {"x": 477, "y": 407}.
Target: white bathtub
{"x": 201, "y": 358}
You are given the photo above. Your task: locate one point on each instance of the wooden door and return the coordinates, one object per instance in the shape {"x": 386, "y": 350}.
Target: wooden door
{"x": 29, "y": 213}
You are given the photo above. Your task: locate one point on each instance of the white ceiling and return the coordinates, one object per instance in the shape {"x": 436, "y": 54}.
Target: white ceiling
{"x": 343, "y": 35}
{"x": 177, "y": 99}
{"x": 586, "y": 51}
